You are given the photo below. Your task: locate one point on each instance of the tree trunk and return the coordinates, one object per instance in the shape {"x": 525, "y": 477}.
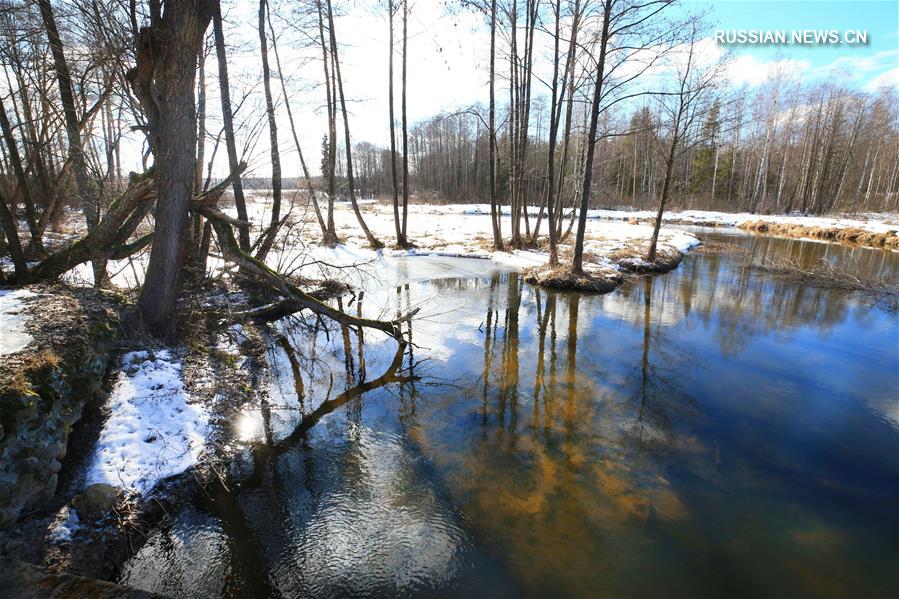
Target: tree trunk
{"x": 553, "y": 127}
{"x": 35, "y": 246}
{"x": 12, "y": 239}
{"x": 372, "y": 241}
{"x": 228, "y": 124}
{"x": 296, "y": 140}
{"x": 578, "y": 258}
{"x": 330, "y": 93}
{"x": 405, "y": 132}
{"x": 494, "y": 216}
{"x": 86, "y": 192}
{"x": 275, "y": 224}
{"x": 666, "y": 188}
{"x": 164, "y": 82}
{"x": 400, "y": 241}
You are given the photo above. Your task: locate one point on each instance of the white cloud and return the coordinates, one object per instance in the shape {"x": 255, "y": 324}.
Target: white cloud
{"x": 888, "y": 78}
{"x": 746, "y": 68}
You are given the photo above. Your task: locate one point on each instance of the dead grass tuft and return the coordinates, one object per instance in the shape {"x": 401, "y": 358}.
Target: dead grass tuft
{"x": 632, "y": 258}
{"x": 561, "y": 277}
{"x": 718, "y": 247}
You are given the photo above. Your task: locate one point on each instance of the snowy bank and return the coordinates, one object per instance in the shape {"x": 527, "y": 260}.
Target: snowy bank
{"x": 458, "y": 230}
{"x": 874, "y": 223}
{"x": 12, "y": 320}
{"x": 153, "y": 430}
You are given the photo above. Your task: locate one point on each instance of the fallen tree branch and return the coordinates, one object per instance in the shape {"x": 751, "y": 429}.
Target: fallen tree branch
{"x": 295, "y": 299}
{"x": 113, "y": 231}
{"x": 828, "y": 276}
{"x": 110, "y": 237}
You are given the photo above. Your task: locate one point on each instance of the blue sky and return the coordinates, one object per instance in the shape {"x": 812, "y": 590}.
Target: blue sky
{"x": 856, "y": 65}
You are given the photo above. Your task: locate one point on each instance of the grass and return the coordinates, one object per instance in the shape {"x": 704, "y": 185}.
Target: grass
{"x": 561, "y": 277}
{"x": 854, "y": 235}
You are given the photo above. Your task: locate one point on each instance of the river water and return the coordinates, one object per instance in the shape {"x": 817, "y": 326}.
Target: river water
{"x": 714, "y": 431}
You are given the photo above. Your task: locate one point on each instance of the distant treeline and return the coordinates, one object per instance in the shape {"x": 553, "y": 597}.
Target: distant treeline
{"x": 781, "y": 148}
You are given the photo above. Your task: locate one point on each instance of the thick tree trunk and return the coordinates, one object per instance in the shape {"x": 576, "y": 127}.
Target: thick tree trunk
{"x": 164, "y": 82}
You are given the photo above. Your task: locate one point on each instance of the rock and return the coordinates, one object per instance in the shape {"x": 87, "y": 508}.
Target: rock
{"x": 95, "y": 501}
{"x": 19, "y": 579}
{"x": 43, "y": 390}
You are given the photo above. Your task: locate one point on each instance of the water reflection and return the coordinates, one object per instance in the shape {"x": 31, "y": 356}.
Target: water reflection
{"x": 714, "y": 431}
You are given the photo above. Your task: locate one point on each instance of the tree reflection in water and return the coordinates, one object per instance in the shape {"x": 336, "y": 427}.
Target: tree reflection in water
{"x": 688, "y": 434}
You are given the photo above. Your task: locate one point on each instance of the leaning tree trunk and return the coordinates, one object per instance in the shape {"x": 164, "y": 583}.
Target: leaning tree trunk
{"x": 666, "y": 190}
{"x": 372, "y": 241}
{"x": 86, "y": 191}
{"x": 163, "y": 82}
{"x": 228, "y": 124}
{"x": 269, "y": 235}
{"x": 296, "y": 139}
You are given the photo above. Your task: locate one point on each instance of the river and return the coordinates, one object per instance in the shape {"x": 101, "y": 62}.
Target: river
{"x": 715, "y": 431}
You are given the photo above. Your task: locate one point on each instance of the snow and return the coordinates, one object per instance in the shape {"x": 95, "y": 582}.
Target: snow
{"x": 66, "y": 524}
{"x": 12, "y": 321}
{"x": 451, "y": 230}
{"x": 153, "y": 430}
{"x": 464, "y": 230}
{"x": 872, "y": 223}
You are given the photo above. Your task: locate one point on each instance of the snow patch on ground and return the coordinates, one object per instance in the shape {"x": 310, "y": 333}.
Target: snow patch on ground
{"x": 12, "y": 321}
{"x": 153, "y": 430}
{"x": 875, "y": 223}
{"x": 65, "y": 525}
{"x": 458, "y": 230}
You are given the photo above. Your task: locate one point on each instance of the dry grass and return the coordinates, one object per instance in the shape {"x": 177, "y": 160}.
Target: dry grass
{"x": 561, "y": 277}
{"x": 632, "y": 258}
{"x": 711, "y": 246}
{"x": 853, "y": 235}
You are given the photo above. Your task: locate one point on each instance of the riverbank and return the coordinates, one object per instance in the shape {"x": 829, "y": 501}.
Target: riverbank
{"x": 104, "y": 432}
{"x": 878, "y": 231}
{"x": 457, "y": 230}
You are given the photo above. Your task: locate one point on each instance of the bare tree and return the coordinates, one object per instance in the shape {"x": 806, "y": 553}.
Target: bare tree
{"x": 400, "y": 238}
{"x": 228, "y": 122}
{"x": 164, "y": 81}
{"x": 85, "y": 187}
{"x": 268, "y": 237}
{"x": 694, "y": 83}
{"x": 372, "y": 241}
